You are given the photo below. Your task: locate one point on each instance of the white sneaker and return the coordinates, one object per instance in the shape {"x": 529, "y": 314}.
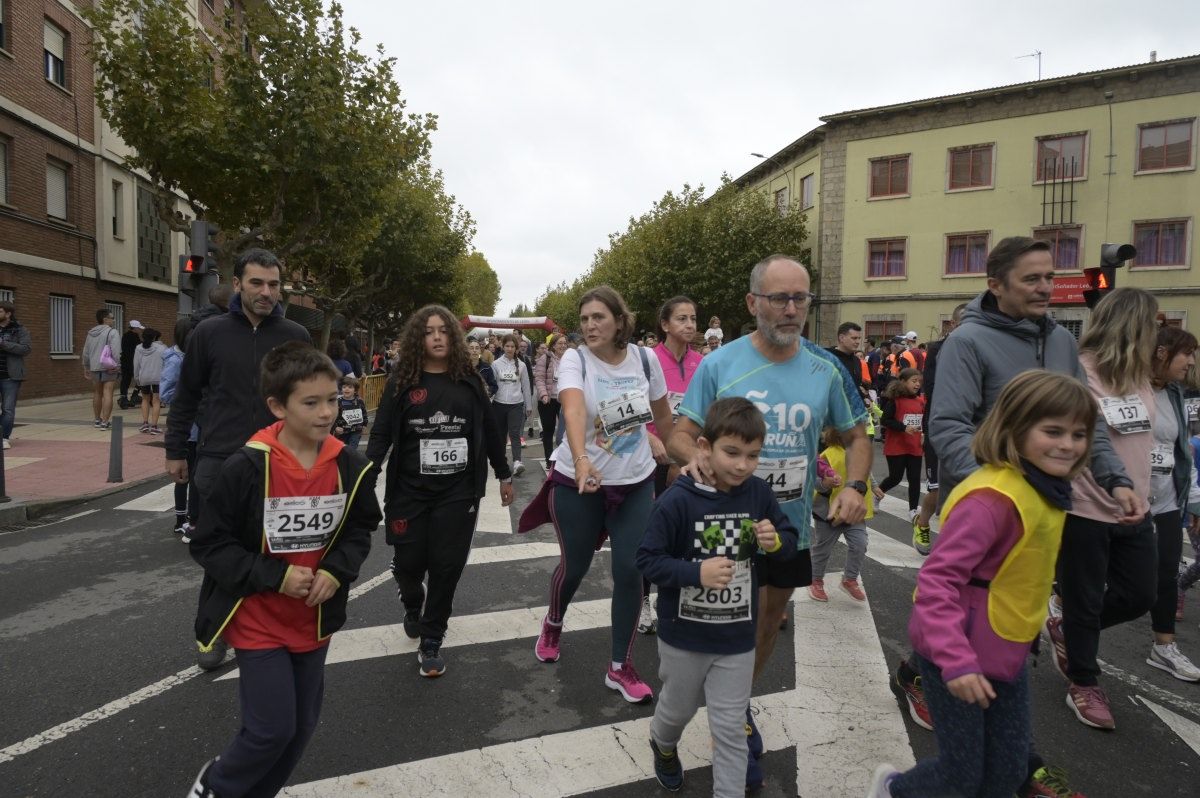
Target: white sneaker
{"x": 1170, "y": 659}
{"x": 1054, "y": 607}
{"x": 518, "y": 468}
{"x": 647, "y": 625}
{"x": 879, "y": 782}
{"x": 7, "y": 445}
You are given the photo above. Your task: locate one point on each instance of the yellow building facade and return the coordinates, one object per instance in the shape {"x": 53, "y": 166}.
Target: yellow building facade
{"x": 907, "y": 199}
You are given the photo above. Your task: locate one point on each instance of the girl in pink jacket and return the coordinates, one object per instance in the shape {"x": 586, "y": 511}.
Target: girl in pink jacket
{"x": 981, "y": 595}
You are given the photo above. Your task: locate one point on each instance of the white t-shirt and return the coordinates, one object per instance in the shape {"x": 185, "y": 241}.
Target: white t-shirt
{"x": 616, "y": 398}
{"x": 711, "y": 331}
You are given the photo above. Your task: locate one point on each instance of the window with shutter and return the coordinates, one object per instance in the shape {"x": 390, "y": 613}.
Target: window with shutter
{"x": 62, "y": 325}
{"x": 56, "y": 48}
{"x": 56, "y": 190}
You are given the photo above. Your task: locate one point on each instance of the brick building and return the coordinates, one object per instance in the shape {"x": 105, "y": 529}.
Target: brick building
{"x": 78, "y": 230}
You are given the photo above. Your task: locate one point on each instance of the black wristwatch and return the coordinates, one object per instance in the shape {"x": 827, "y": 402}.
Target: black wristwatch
{"x": 858, "y": 485}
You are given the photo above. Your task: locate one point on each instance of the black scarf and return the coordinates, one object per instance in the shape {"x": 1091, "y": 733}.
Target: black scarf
{"x": 1055, "y": 490}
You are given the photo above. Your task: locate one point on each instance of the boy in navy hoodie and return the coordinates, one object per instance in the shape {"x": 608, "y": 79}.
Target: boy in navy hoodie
{"x": 287, "y": 527}
{"x": 352, "y": 414}
{"x": 701, "y": 548}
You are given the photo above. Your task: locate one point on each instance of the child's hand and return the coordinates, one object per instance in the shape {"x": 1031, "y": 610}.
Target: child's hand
{"x": 912, "y": 430}
{"x": 826, "y": 484}
{"x": 877, "y": 493}
{"x": 764, "y": 530}
{"x": 322, "y": 590}
{"x": 716, "y": 572}
{"x": 298, "y": 582}
{"x": 973, "y": 688}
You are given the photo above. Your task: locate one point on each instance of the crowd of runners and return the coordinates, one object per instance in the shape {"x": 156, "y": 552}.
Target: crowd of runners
{"x": 720, "y": 469}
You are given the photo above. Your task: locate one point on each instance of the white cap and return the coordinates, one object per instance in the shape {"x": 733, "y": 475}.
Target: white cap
{"x": 137, "y": 325}
{"x": 911, "y": 335}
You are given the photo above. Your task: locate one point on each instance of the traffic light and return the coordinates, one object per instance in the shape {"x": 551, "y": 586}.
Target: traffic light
{"x": 201, "y": 248}
{"x": 1103, "y": 278}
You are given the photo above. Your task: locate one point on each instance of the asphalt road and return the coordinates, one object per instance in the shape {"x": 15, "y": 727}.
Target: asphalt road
{"x": 100, "y": 697}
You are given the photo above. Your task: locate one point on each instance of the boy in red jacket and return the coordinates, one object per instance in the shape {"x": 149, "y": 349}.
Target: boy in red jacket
{"x": 290, "y": 524}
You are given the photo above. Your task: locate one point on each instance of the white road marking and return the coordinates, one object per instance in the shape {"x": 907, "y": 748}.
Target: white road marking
{"x": 493, "y": 517}
{"x": 842, "y": 716}
{"x": 568, "y": 763}
{"x": 478, "y": 556}
{"x": 1188, "y": 730}
{"x": 886, "y": 551}
{"x": 158, "y": 500}
{"x": 108, "y": 710}
{"x": 1140, "y": 685}
{"x": 351, "y": 645}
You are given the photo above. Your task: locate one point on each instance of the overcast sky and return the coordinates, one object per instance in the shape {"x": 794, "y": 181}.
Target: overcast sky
{"x": 560, "y": 120}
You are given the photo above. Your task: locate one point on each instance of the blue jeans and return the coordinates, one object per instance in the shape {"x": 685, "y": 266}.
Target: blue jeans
{"x": 351, "y": 439}
{"x": 982, "y": 753}
{"x": 9, "y": 389}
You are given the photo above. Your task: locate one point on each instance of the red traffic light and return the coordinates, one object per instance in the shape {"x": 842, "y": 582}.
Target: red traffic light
{"x": 196, "y": 264}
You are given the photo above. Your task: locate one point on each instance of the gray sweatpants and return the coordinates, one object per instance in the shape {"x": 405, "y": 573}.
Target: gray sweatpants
{"x": 824, "y": 535}
{"x": 722, "y": 681}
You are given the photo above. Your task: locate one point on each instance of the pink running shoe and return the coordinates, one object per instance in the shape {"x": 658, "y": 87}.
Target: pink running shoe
{"x": 546, "y": 648}
{"x": 627, "y": 682}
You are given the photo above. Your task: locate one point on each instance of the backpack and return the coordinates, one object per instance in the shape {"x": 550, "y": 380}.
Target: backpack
{"x": 641, "y": 351}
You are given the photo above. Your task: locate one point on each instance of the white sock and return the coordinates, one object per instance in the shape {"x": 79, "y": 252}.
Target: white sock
{"x": 616, "y": 666}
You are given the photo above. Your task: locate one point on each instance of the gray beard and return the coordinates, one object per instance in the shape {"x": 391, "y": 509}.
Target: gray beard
{"x": 773, "y": 336}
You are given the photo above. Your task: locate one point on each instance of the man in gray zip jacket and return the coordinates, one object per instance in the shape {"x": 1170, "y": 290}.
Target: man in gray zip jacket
{"x": 1004, "y": 331}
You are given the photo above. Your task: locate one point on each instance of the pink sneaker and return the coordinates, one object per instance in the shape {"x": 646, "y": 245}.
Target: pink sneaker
{"x": 627, "y": 682}
{"x": 817, "y": 590}
{"x": 546, "y": 648}
{"x": 851, "y": 586}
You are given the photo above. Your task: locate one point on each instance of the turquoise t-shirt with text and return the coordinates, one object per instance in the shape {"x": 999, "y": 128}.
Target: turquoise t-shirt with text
{"x": 798, "y": 398}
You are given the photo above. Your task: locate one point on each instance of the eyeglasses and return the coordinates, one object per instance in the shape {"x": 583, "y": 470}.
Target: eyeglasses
{"x": 780, "y": 301}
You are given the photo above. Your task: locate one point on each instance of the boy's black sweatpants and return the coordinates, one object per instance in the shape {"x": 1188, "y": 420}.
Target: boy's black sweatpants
{"x": 281, "y": 695}
{"x": 436, "y": 542}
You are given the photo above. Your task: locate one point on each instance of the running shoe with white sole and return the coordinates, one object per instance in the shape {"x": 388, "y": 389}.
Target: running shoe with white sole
{"x": 429, "y": 656}
{"x": 647, "y": 625}
{"x": 1170, "y": 659}
{"x": 880, "y": 781}
{"x": 908, "y": 681}
{"x": 626, "y": 681}
{"x": 921, "y": 538}
{"x": 546, "y": 648}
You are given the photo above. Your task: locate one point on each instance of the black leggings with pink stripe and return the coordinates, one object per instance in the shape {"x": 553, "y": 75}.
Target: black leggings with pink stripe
{"x": 578, "y": 522}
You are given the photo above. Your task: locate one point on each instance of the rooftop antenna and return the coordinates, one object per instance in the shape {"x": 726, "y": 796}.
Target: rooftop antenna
{"x": 1038, "y": 55}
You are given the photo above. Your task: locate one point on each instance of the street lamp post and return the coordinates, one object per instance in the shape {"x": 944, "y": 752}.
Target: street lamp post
{"x": 786, "y": 173}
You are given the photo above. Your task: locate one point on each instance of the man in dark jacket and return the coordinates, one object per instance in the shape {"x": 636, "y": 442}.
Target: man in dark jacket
{"x": 222, "y": 363}
{"x": 129, "y": 344}
{"x": 15, "y": 344}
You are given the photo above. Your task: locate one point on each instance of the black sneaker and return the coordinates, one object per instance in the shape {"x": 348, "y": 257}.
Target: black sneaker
{"x": 212, "y": 659}
{"x": 429, "y": 655}
{"x": 667, "y": 769}
{"x": 412, "y": 623}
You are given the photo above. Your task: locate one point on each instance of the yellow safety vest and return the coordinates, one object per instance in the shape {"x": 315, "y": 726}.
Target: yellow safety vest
{"x": 1019, "y": 590}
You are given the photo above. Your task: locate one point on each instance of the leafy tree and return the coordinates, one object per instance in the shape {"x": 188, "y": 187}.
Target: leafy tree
{"x": 478, "y": 285}
{"x": 561, "y": 303}
{"x": 280, "y": 129}
{"x": 688, "y": 243}
{"x": 413, "y": 261}
{"x": 521, "y": 310}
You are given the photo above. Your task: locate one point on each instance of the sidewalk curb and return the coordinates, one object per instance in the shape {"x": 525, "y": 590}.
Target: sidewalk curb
{"x": 18, "y": 511}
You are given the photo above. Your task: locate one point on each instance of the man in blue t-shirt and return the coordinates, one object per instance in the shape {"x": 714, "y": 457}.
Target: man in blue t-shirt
{"x": 800, "y": 389}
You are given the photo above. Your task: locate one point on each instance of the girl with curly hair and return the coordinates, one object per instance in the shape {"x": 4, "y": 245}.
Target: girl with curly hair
{"x": 435, "y": 419}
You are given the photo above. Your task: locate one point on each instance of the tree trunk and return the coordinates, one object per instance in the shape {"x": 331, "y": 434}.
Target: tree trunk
{"x": 326, "y": 328}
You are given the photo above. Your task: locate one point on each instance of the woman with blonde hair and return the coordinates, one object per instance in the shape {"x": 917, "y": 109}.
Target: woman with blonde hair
{"x": 1107, "y": 566}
